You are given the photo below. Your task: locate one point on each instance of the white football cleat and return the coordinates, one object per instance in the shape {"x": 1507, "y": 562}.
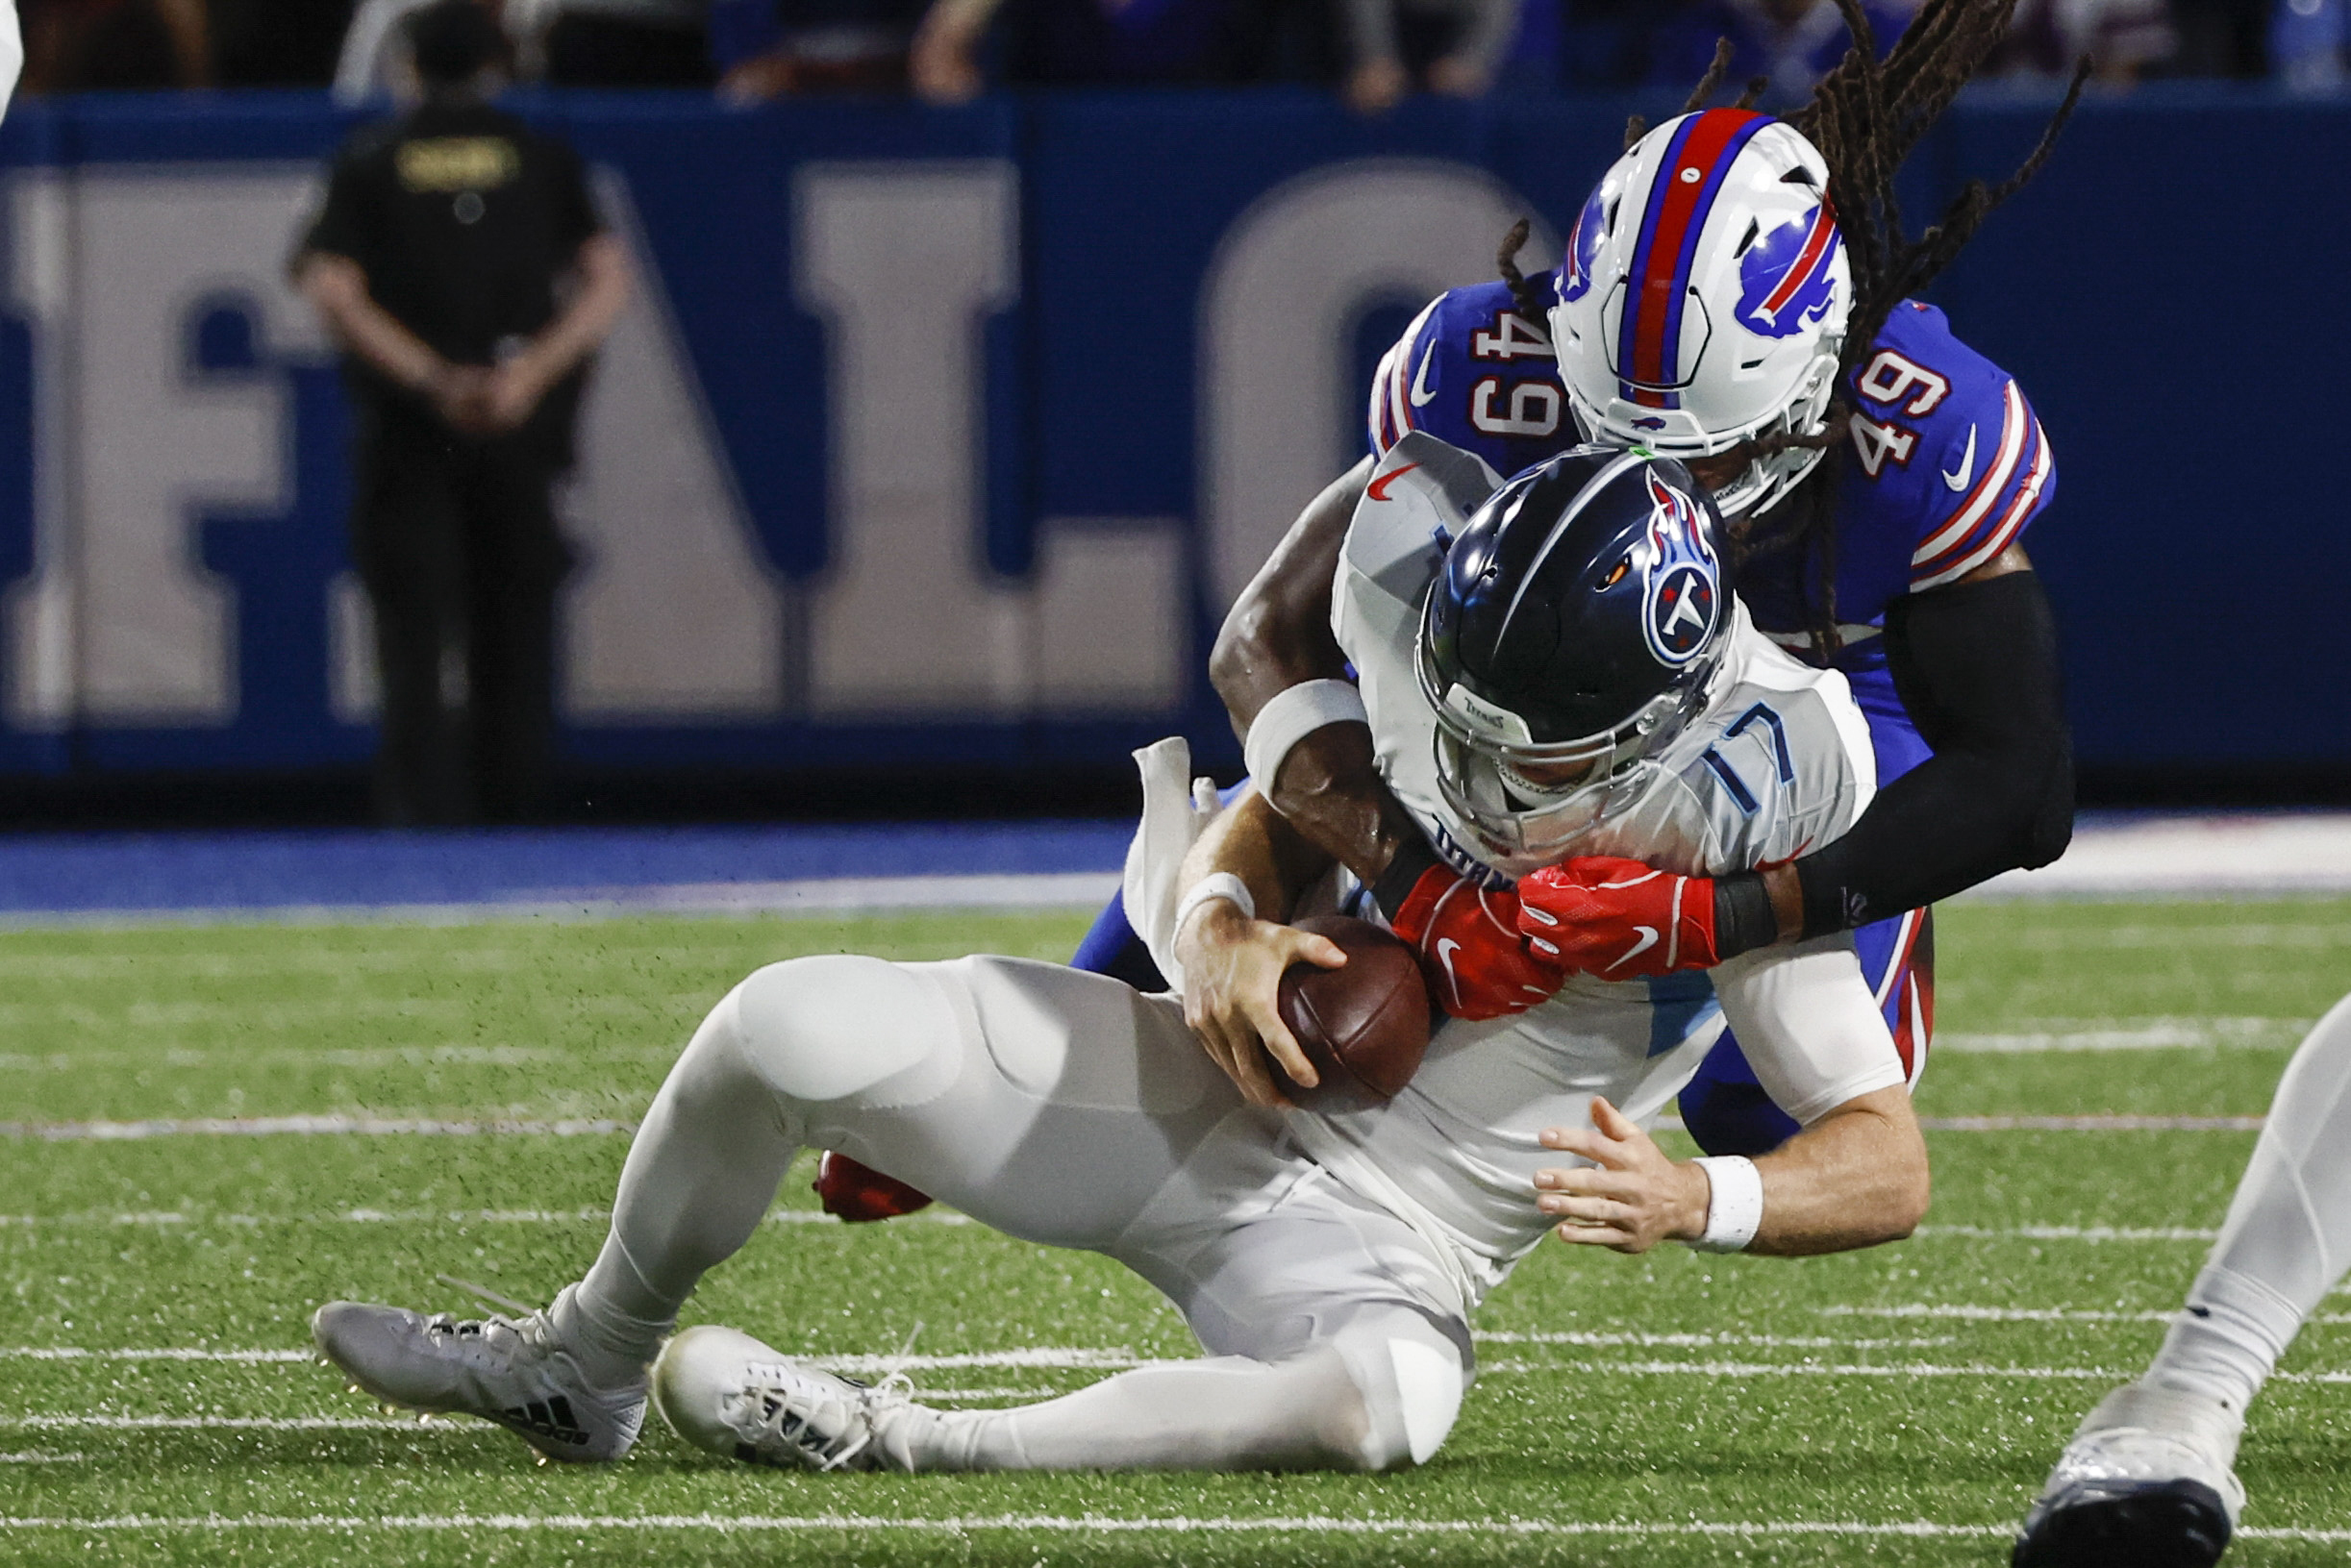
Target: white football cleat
{"x": 730, "y": 1395}
{"x": 2146, "y": 1482}
{"x": 514, "y": 1371}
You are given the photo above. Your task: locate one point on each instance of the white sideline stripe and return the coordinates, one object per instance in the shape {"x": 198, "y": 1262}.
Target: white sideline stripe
{"x": 2266, "y": 853}
{"x": 1608, "y": 1339}
{"x": 1959, "y": 1312}
{"x": 1081, "y": 1525}
{"x": 823, "y": 895}
{"x": 2152, "y": 1034}
{"x": 344, "y": 1125}
{"x": 36, "y": 1457}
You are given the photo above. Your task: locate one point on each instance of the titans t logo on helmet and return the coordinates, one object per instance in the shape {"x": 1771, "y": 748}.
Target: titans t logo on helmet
{"x": 1583, "y": 246}
{"x": 1785, "y": 280}
{"x": 1682, "y": 584}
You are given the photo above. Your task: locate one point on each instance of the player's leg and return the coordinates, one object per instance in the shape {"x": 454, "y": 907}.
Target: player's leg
{"x": 854, "y": 1192}
{"x": 1727, "y": 1110}
{"x": 2148, "y": 1477}
{"x": 1332, "y": 1335}
{"x": 1050, "y": 1103}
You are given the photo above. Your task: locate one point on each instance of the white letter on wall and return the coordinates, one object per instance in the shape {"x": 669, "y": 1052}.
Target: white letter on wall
{"x": 905, "y": 261}
{"x": 673, "y": 613}
{"x": 1291, "y": 279}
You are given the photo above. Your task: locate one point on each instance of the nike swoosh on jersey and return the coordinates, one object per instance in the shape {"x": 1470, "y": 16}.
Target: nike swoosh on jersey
{"x": 1648, "y": 940}
{"x": 1421, "y": 395}
{"x": 1967, "y": 467}
{"x": 1446, "y": 947}
{"x": 1377, "y": 489}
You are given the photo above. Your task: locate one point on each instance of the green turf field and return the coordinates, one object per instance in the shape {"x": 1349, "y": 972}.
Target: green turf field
{"x": 156, "y": 1403}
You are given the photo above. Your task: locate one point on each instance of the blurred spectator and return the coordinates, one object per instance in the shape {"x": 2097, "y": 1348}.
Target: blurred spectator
{"x": 459, "y": 264}
{"x": 1454, "y": 46}
{"x": 2122, "y": 38}
{"x": 1093, "y": 42}
{"x": 619, "y": 43}
{"x": 2306, "y": 44}
{"x": 99, "y": 45}
{"x": 1791, "y": 44}
{"x": 374, "y": 61}
{"x": 276, "y": 43}
{"x": 772, "y": 48}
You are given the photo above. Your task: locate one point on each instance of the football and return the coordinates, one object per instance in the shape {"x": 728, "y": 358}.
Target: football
{"x": 1365, "y": 1026}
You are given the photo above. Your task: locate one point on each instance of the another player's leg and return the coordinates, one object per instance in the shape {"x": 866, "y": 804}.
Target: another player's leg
{"x": 2148, "y": 1480}
{"x": 1335, "y": 1344}
{"x": 1729, "y": 1112}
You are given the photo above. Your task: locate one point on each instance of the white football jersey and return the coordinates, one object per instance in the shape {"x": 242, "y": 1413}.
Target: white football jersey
{"x": 1779, "y": 763}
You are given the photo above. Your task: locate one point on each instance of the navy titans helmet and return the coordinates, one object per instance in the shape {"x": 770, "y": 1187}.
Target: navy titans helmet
{"x": 1572, "y": 634}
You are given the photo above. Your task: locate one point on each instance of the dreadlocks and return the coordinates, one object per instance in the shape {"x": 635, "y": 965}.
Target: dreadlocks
{"x": 1866, "y": 116}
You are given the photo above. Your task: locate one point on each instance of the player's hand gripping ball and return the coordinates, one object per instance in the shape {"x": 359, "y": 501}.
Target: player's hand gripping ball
{"x": 1363, "y": 1026}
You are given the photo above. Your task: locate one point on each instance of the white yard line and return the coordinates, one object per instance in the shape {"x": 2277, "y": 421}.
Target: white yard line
{"x": 2065, "y": 1233}
{"x": 1960, "y": 1312}
{"x": 2147, "y": 1034}
{"x": 208, "y": 1423}
{"x": 329, "y": 1125}
{"x": 1070, "y": 1525}
{"x": 334, "y": 1125}
{"x": 2090, "y": 1123}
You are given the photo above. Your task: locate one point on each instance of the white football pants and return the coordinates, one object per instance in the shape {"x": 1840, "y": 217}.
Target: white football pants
{"x": 1067, "y": 1109}
{"x": 2286, "y": 1242}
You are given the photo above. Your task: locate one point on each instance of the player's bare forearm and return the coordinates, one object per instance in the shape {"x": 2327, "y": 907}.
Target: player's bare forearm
{"x": 1278, "y": 632}
{"x": 1233, "y": 962}
{"x": 1279, "y": 635}
{"x": 1855, "y": 1177}
{"x": 1249, "y": 839}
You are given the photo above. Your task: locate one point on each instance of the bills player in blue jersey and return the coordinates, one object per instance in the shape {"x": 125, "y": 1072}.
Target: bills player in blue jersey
{"x": 1735, "y": 294}
{"x": 1880, "y": 476}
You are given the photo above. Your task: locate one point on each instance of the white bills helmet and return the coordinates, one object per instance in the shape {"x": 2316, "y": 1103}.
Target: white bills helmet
{"x": 1703, "y": 299}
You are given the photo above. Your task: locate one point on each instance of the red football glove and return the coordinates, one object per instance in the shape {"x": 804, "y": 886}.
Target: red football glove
{"x": 1477, "y": 963}
{"x": 1617, "y": 919}
{"x": 858, "y": 1193}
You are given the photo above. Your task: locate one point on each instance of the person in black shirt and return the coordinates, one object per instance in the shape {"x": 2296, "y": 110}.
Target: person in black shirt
{"x": 462, "y": 268}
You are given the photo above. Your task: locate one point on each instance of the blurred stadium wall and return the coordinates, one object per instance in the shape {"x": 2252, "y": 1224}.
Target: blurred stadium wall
{"x": 938, "y": 440}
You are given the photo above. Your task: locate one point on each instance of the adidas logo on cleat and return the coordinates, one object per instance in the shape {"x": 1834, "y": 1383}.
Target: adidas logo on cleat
{"x": 551, "y": 1419}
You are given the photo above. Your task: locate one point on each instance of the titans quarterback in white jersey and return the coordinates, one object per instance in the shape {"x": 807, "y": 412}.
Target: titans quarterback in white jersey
{"x": 1328, "y": 1260}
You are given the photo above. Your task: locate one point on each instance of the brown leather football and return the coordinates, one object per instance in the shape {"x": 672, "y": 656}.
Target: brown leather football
{"x": 1364, "y": 1026}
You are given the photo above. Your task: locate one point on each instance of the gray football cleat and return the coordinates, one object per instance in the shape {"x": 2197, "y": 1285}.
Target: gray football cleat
{"x": 514, "y": 1371}
{"x": 2146, "y": 1482}
{"x": 730, "y": 1395}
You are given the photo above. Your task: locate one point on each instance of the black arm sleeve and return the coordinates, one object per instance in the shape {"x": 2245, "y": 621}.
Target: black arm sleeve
{"x": 1976, "y": 666}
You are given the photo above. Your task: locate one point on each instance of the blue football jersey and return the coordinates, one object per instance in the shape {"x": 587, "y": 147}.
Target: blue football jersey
{"x": 1949, "y": 465}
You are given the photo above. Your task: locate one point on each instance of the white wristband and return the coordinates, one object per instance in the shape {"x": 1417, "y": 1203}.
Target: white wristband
{"x": 1294, "y": 713}
{"x": 1216, "y": 884}
{"x": 1735, "y": 1206}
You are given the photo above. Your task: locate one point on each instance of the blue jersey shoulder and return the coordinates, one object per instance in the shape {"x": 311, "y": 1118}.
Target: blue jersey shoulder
{"x": 1950, "y": 462}
{"x": 1471, "y": 371}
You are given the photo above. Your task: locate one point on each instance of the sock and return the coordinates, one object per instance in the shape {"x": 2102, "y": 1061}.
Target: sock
{"x": 700, "y": 1174}
{"x": 2286, "y": 1242}
{"x": 1226, "y": 1413}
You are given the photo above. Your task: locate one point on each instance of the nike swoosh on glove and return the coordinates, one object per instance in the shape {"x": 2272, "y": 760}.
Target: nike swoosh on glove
{"x": 1468, "y": 936}
{"x": 1618, "y": 919}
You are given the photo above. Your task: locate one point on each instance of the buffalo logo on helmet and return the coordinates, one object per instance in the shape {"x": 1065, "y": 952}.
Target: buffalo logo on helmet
{"x": 1583, "y": 249}
{"x": 1786, "y": 279}
{"x": 1682, "y": 583}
